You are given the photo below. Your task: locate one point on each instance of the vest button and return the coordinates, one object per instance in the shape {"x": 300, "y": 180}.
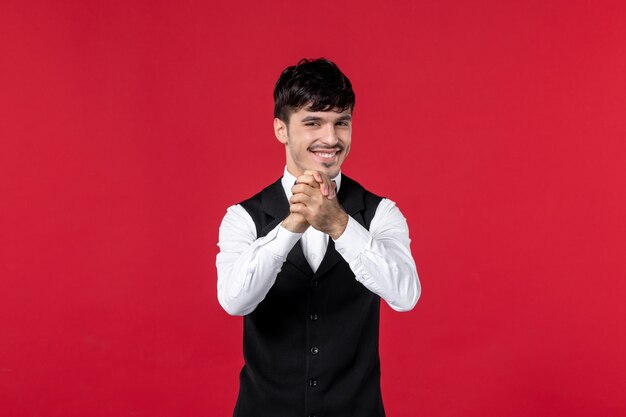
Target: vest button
{"x": 315, "y": 350}
{"x": 313, "y": 317}
{"x": 314, "y": 284}
{"x": 312, "y": 415}
{"x": 313, "y": 382}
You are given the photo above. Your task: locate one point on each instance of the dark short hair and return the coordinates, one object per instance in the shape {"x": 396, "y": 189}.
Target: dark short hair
{"x": 316, "y": 83}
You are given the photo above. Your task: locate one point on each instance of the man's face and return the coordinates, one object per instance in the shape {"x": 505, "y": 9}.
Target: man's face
{"x": 318, "y": 141}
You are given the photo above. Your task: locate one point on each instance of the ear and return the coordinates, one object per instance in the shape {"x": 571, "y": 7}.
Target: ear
{"x": 280, "y": 130}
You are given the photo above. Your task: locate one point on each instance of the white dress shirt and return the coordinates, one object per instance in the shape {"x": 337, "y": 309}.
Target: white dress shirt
{"x": 379, "y": 258}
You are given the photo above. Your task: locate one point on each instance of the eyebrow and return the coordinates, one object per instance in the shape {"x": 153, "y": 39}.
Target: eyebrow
{"x": 317, "y": 119}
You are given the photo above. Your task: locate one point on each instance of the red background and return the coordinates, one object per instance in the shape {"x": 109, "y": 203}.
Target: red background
{"x": 128, "y": 127}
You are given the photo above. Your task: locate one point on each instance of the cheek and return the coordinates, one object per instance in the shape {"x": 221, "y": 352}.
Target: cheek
{"x": 299, "y": 151}
{"x": 346, "y": 149}
{"x": 301, "y": 144}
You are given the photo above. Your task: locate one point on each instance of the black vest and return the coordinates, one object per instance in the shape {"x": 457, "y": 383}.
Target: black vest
{"x": 311, "y": 346}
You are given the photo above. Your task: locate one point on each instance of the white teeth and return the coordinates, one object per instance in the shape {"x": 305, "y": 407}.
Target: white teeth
{"x": 326, "y": 155}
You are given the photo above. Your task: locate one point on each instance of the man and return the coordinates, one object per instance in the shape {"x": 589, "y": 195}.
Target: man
{"x": 306, "y": 261}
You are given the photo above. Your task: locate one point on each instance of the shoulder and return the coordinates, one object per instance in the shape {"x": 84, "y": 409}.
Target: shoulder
{"x": 241, "y": 212}
{"x": 352, "y": 185}
{"x": 256, "y": 200}
{"x": 356, "y": 199}
{"x": 265, "y": 205}
{"x": 389, "y": 218}
{"x": 388, "y": 207}
{"x": 236, "y": 222}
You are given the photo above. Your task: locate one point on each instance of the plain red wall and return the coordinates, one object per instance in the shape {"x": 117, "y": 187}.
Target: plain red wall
{"x": 128, "y": 127}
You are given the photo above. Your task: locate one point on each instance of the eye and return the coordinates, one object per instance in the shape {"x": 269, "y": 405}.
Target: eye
{"x": 310, "y": 124}
{"x": 344, "y": 123}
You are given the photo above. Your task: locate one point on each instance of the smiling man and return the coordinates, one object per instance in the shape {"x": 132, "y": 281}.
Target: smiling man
{"x": 307, "y": 260}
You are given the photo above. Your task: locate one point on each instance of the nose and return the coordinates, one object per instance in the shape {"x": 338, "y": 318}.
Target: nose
{"x": 330, "y": 137}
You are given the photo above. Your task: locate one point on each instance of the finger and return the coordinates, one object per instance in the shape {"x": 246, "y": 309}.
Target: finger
{"x": 333, "y": 192}
{"x": 307, "y": 179}
{"x": 323, "y": 186}
{"x": 303, "y": 189}
{"x": 297, "y": 208}
{"x": 317, "y": 176}
{"x": 313, "y": 173}
{"x": 327, "y": 185}
{"x": 324, "y": 189}
{"x": 299, "y": 198}
{"x": 322, "y": 179}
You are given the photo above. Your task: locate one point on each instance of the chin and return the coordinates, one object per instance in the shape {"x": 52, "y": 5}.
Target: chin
{"x": 331, "y": 172}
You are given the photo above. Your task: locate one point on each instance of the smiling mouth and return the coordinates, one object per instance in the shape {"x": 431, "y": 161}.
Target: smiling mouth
{"x": 326, "y": 154}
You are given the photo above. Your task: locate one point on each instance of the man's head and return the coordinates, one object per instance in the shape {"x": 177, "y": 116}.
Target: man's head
{"x": 313, "y": 103}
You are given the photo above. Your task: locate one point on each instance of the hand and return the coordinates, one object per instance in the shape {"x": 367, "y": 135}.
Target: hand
{"x": 323, "y": 212}
{"x": 327, "y": 187}
{"x": 295, "y": 223}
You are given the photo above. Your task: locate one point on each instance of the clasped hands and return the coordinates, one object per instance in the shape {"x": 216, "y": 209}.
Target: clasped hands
{"x": 314, "y": 203}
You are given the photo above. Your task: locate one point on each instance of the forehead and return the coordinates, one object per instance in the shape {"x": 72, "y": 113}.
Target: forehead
{"x": 330, "y": 115}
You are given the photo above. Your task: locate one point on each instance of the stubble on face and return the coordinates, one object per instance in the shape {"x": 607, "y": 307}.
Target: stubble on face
{"x": 318, "y": 141}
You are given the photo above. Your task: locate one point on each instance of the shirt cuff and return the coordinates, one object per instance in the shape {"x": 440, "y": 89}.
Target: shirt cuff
{"x": 279, "y": 241}
{"x": 352, "y": 241}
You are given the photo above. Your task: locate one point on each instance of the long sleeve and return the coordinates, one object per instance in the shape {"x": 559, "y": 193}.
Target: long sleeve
{"x": 246, "y": 266}
{"x": 381, "y": 257}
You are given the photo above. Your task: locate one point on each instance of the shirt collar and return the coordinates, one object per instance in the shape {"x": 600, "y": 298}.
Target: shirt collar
{"x": 289, "y": 180}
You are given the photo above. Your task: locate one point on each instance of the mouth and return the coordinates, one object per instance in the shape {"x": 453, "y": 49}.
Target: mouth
{"x": 326, "y": 155}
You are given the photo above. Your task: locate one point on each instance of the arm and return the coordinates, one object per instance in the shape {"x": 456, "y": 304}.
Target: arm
{"x": 246, "y": 266}
{"x": 381, "y": 257}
